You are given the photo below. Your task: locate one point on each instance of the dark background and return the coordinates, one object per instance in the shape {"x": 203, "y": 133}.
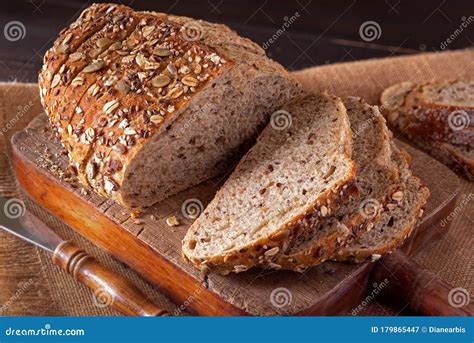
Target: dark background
{"x": 325, "y": 31}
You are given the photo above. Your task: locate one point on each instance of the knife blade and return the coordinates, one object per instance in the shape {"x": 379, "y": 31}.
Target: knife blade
{"x": 108, "y": 287}
{"x": 15, "y": 219}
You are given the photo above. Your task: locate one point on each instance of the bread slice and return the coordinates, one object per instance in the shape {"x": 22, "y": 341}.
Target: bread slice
{"x": 377, "y": 178}
{"x": 166, "y": 105}
{"x": 446, "y": 130}
{"x": 459, "y": 157}
{"x": 440, "y": 111}
{"x": 396, "y": 222}
{"x": 299, "y": 171}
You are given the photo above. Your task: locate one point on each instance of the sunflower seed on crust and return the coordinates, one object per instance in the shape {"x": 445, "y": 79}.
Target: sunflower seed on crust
{"x": 93, "y": 67}
{"x": 160, "y": 81}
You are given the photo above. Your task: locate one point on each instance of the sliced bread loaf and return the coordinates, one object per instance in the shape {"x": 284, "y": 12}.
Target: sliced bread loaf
{"x": 377, "y": 176}
{"x": 148, "y": 104}
{"x": 441, "y": 111}
{"x": 299, "y": 171}
{"x": 396, "y": 221}
{"x": 438, "y": 117}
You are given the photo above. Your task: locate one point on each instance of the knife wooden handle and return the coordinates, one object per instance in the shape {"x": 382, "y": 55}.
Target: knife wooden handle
{"x": 408, "y": 283}
{"x": 109, "y": 288}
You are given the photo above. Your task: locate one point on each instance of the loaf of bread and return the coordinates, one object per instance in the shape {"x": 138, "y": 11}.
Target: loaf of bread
{"x": 438, "y": 117}
{"x": 148, "y": 104}
{"x": 299, "y": 172}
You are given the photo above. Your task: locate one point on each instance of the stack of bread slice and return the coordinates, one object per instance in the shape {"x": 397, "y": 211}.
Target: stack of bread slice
{"x": 438, "y": 117}
{"x": 329, "y": 184}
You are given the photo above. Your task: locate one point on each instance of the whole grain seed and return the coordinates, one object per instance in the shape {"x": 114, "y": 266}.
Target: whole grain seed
{"x": 128, "y": 59}
{"x": 130, "y": 131}
{"x": 190, "y": 81}
{"x": 111, "y": 106}
{"x": 76, "y": 56}
{"x": 160, "y": 81}
{"x": 162, "y": 52}
{"x": 391, "y": 206}
{"x": 124, "y": 123}
{"x": 172, "y": 70}
{"x": 119, "y": 148}
{"x": 240, "y": 268}
{"x": 93, "y": 90}
{"x": 272, "y": 252}
{"x": 56, "y": 80}
{"x": 123, "y": 86}
{"x": 67, "y": 39}
{"x": 156, "y": 119}
{"x": 197, "y": 69}
{"x": 90, "y": 133}
{"x": 110, "y": 185}
{"x": 140, "y": 60}
{"x": 147, "y": 30}
{"x": 103, "y": 42}
{"x": 397, "y": 196}
{"x": 115, "y": 46}
{"x": 77, "y": 81}
{"x": 175, "y": 93}
{"x": 91, "y": 170}
{"x": 172, "y": 221}
{"x": 93, "y": 67}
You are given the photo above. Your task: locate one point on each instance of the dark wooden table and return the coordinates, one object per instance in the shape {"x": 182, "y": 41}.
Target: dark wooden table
{"x": 305, "y": 33}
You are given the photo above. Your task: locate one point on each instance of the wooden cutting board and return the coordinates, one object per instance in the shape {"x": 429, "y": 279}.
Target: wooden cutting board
{"x": 153, "y": 248}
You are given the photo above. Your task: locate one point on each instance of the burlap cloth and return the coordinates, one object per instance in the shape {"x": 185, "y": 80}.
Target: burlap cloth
{"x": 31, "y": 285}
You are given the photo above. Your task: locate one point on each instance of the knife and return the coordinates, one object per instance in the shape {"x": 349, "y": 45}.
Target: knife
{"x": 109, "y": 288}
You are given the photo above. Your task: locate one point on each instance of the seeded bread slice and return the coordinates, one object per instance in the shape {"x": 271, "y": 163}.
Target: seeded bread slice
{"x": 299, "y": 171}
{"x": 396, "y": 222}
{"x": 459, "y": 157}
{"x": 169, "y": 108}
{"x": 377, "y": 178}
{"x": 440, "y": 111}
{"x": 450, "y": 109}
